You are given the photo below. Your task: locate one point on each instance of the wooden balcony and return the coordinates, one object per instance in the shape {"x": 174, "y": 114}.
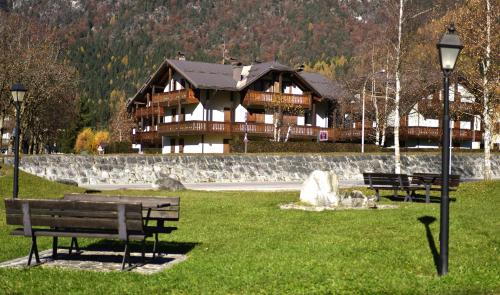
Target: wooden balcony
{"x": 434, "y": 108}
{"x": 149, "y": 111}
{"x": 259, "y": 98}
{"x": 431, "y": 133}
{"x": 229, "y": 128}
{"x": 147, "y": 136}
{"x": 166, "y": 99}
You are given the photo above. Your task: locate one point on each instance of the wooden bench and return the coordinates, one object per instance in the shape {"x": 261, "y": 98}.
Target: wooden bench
{"x": 433, "y": 182}
{"x": 387, "y": 181}
{"x": 157, "y": 209}
{"x": 66, "y": 218}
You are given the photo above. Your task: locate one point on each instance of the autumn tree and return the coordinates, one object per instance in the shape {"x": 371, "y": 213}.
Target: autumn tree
{"x": 121, "y": 123}
{"x": 477, "y": 23}
{"x": 84, "y": 140}
{"x": 476, "y": 67}
{"x": 33, "y": 57}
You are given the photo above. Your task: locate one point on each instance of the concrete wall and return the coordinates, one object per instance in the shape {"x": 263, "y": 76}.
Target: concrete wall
{"x": 143, "y": 169}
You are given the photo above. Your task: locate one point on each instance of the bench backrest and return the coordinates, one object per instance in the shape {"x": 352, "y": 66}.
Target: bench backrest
{"x": 170, "y": 212}
{"x": 386, "y": 179}
{"x": 435, "y": 178}
{"x": 67, "y": 214}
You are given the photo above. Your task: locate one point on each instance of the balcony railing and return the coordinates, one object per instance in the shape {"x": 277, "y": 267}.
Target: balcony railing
{"x": 253, "y": 97}
{"x": 146, "y": 136}
{"x": 227, "y": 128}
{"x": 433, "y": 133}
{"x": 149, "y": 111}
{"x": 184, "y": 96}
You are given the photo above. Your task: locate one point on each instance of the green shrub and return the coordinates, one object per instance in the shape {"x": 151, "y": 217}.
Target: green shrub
{"x": 301, "y": 147}
{"x": 119, "y": 148}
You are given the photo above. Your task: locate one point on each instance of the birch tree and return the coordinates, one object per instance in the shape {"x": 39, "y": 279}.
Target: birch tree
{"x": 480, "y": 33}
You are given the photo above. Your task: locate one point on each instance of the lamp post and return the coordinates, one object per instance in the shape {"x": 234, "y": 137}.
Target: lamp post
{"x": 17, "y": 90}
{"x": 449, "y": 48}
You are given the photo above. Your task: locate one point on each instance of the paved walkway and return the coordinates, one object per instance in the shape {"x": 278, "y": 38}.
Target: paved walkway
{"x": 234, "y": 186}
{"x": 100, "y": 261}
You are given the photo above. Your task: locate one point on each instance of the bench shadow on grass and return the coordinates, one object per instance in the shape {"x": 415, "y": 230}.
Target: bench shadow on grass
{"x": 417, "y": 198}
{"x": 426, "y": 221}
{"x": 117, "y": 247}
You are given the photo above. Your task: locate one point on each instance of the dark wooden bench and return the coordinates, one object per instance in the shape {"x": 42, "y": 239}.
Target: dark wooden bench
{"x": 388, "y": 181}
{"x": 154, "y": 209}
{"x": 433, "y": 182}
{"x": 66, "y": 218}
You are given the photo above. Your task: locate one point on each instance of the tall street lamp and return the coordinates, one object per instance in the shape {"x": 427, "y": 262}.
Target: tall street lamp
{"x": 449, "y": 48}
{"x": 17, "y": 90}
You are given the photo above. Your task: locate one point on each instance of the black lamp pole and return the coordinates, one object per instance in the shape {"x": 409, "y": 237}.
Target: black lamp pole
{"x": 449, "y": 48}
{"x": 18, "y": 91}
{"x": 15, "y": 189}
{"x": 445, "y": 171}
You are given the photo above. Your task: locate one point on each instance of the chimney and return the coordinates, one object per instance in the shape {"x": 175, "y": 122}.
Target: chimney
{"x": 237, "y": 67}
{"x": 181, "y": 56}
{"x": 237, "y": 72}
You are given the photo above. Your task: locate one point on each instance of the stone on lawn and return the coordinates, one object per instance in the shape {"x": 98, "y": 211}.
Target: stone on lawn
{"x": 168, "y": 184}
{"x": 321, "y": 188}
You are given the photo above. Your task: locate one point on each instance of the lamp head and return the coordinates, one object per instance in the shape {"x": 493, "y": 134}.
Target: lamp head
{"x": 449, "y": 48}
{"x": 18, "y": 90}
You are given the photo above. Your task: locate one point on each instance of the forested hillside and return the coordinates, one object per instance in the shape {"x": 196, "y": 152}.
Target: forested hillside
{"x": 116, "y": 44}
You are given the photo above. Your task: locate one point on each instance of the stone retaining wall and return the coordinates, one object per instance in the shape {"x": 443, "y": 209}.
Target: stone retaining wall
{"x": 145, "y": 169}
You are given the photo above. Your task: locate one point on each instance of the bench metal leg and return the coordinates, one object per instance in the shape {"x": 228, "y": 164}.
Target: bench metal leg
{"x": 126, "y": 255}
{"x": 408, "y": 197}
{"x": 74, "y": 243}
{"x": 54, "y": 247}
{"x": 427, "y": 194}
{"x": 143, "y": 246}
{"x": 33, "y": 250}
{"x": 155, "y": 245}
{"x": 396, "y": 193}
{"x": 377, "y": 194}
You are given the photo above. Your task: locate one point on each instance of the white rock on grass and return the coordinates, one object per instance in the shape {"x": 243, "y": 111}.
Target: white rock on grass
{"x": 321, "y": 188}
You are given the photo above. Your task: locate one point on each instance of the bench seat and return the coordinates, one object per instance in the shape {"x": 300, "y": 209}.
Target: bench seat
{"x": 68, "y": 218}
{"x": 80, "y": 234}
{"x": 390, "y": 181}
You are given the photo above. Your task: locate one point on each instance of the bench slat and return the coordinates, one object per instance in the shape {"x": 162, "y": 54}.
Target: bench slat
{"x": 76, "y": 213}
{"x": 74, "y": 222}
{"x": 145, "y": 200}
{"x": 102, "y": 235}
{"x": 66, "y": 205}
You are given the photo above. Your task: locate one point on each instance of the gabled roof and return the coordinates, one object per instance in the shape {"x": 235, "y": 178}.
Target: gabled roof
{"x": 323, "y": 85}
{"x": 204, "y": 75}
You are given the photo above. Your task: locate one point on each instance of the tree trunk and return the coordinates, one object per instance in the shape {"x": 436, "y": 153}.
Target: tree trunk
{"x": 375, "y": 104}
{"x": 386, "y": 101}
{"x": 397, "y": 156}
{"x": 486, "y": 93}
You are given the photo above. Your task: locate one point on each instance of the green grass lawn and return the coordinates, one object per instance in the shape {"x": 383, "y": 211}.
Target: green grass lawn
{"x": 243, "y": 243}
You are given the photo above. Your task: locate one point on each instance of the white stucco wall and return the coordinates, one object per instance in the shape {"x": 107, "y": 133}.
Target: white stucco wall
{"x": 268, "y": 118}
{"x": 465, "y": 125}
{"x": 194, "y": 145}
{"x": 240, "y": 113}
{"x": 466, "y": 96}
{"x": 170, "y": 84}
{"x": 194, "y": 112}
{"x": 294, "y": 89}
{"x": 300, "y": 120}
{"x": 322, "y": 115}
{"x": 218, "y": 101}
